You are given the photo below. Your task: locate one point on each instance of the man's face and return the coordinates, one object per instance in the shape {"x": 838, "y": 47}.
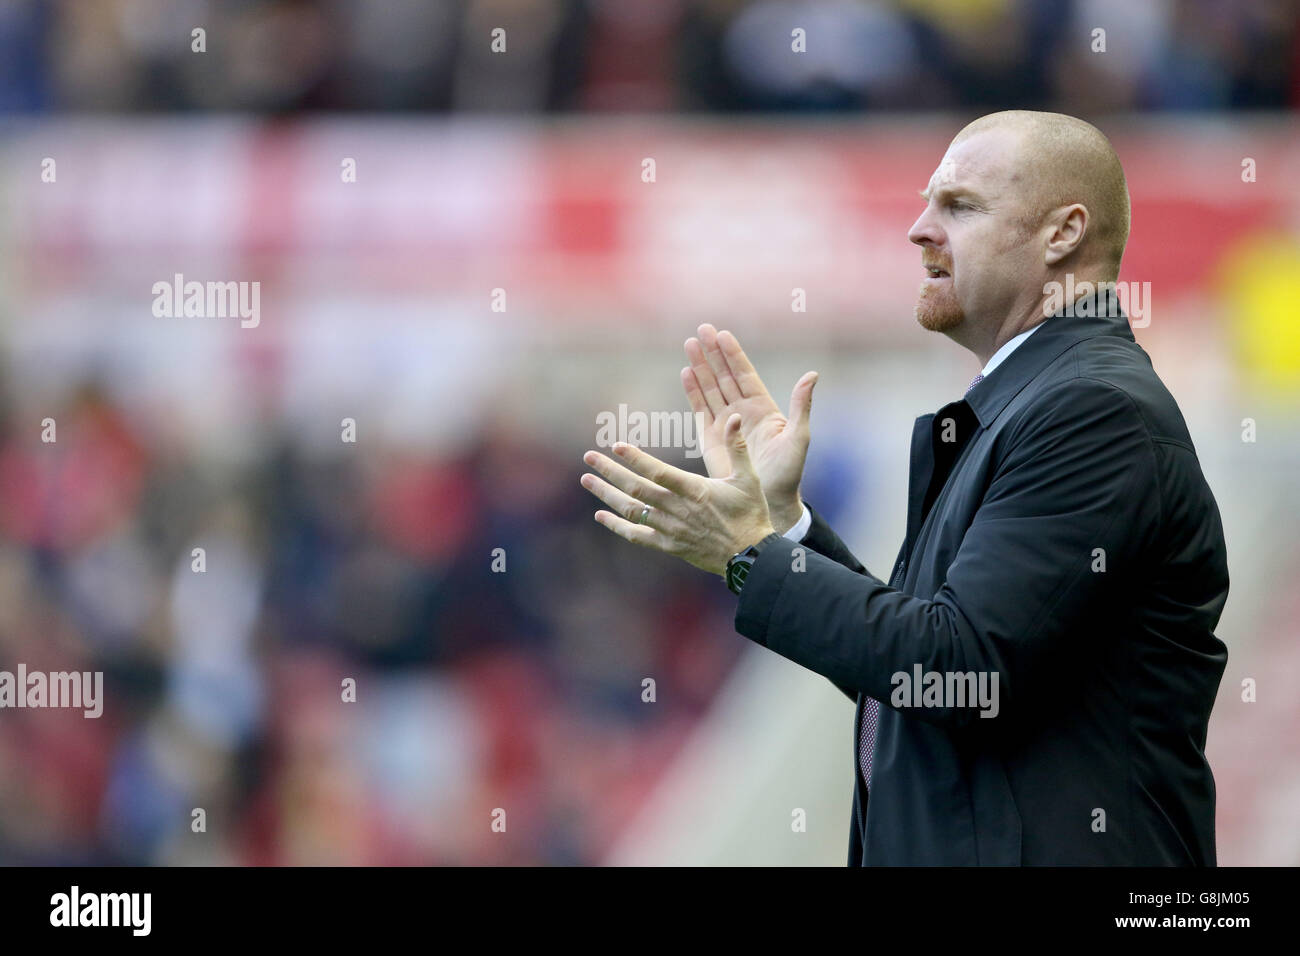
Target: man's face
{"x": 979, "y": 256}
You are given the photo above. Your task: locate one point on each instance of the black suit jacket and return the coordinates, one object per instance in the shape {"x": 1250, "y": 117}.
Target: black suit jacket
{"x": 1061, "y": 536}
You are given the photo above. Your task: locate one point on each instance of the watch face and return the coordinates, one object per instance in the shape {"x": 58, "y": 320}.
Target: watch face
{"x": 739, "y": 565}
{"x": 737, "y": 573}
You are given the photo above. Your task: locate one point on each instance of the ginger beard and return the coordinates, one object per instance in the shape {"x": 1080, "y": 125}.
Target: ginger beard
{"x": 937, "y": 308}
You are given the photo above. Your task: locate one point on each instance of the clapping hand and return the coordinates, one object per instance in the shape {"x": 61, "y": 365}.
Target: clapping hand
{"x": 720, "y": 382}
{"x": 702, "y": 520}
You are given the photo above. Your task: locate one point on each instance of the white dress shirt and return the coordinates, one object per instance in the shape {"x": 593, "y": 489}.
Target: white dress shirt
{"x": 1008, "y": 347}
{"x": 805, "y": 520}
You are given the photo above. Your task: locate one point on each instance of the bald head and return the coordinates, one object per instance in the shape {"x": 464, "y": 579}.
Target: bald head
{"x": 1063, "y": 160}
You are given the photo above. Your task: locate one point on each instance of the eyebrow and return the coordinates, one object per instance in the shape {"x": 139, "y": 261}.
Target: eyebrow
{"x": 951, "y": 190}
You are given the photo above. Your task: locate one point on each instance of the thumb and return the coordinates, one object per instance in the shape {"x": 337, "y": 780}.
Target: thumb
{"x": 801, "y": 401}
{"x": 738, "y": 450}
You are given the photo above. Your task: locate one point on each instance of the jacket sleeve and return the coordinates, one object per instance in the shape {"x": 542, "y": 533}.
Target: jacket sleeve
{"x": 1075, "y": 474}
{"x": 825, "y": 541}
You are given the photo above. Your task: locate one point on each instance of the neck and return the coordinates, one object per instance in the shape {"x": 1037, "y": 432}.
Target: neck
{"x": 985, "y": 340}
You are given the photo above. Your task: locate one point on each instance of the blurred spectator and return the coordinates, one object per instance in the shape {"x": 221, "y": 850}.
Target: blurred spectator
{"x": 278, "y": 56}
{"x": 474, "y": 689}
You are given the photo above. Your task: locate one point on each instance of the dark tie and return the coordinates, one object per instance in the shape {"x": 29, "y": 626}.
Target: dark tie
{"x": 871, "y": 706}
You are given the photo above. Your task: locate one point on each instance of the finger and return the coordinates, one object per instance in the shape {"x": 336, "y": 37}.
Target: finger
{"x": 636, "y": 533}
{"x": 695, "y": 395}
{"x": 742, "y": 369}
{"x": 708, "y": 382}
{"x": 628, "y": 482}
{"x": 738, "y": 451}
{"x": 663, "y": 475}
{"x": 718, "y": 362}
{"x": 801, "y": 401}
{"x": 622, "y": 504}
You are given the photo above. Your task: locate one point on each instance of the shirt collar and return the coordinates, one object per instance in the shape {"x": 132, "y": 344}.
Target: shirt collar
{"x": 1089, "y": 316}
{"x": 1008, "y": 347}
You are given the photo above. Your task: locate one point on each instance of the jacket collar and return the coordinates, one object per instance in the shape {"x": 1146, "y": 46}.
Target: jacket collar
{"x": 1091, "y": 315}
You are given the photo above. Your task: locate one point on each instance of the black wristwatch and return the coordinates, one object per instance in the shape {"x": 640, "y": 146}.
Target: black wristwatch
{"x": 739, "y": 564}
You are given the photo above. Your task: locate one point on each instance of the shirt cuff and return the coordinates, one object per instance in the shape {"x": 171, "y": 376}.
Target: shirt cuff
{"x": 801, "y": 526}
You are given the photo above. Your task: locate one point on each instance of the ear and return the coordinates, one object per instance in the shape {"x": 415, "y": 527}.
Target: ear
{"x": 1070, "y": 226}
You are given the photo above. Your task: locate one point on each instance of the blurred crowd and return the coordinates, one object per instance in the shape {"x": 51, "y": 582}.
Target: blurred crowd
{"x": 647, "y": 55}
{"x": 479, "y": 684}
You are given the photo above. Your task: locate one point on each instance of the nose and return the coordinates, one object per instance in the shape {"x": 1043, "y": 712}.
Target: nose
{"x": 925, "y": 231}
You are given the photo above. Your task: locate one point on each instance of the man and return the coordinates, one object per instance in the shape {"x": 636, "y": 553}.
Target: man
{"x": 1035, "y": 678}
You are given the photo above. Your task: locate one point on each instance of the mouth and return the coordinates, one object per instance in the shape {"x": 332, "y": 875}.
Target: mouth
{"x": 934, "y": 272}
